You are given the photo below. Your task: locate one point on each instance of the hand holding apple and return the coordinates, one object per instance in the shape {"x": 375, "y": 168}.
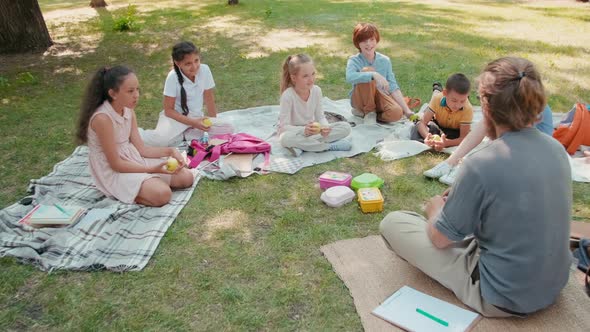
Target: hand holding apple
{"x": 316, "y": 127}
{"x": 179, "y": 157}
{"x": 440, "y": 143}
{"x": 312, "y": 128}
{"x": 428, "y": 140}
{"x": 207, "y": 122}
{"x": 171, "y": 164}
{"x": 199, "y": 123}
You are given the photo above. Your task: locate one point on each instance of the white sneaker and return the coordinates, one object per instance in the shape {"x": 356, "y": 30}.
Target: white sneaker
{"x": 340, "y": 145}
{"x": 450, "y": 177}
{"x": 356, "y": 112}
{"x": 370, "y": 118}
{"x": 438, "y": 170}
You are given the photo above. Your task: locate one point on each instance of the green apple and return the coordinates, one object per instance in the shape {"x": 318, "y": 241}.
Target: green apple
{"x": 316, "y": 127}
{"x": 171, "y": 164}
{"x": 207, "y": 122}
{"x": 436, "y": 138}
{"x": 414, "y": 117}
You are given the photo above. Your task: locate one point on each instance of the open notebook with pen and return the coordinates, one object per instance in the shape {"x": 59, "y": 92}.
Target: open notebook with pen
{"x": 53, "y": 215}
{"x": 412, "y": 310}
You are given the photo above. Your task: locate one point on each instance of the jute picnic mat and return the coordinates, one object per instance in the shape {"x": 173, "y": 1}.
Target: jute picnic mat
{"x": 372, "y": 273}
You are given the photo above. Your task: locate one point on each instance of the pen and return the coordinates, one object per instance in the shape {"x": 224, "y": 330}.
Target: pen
{"x": 436, "y": 319}
{"x": 61, "y": 209}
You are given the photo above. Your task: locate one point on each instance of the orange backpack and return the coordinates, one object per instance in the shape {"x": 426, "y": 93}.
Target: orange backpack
{"x": 574, "y": 130}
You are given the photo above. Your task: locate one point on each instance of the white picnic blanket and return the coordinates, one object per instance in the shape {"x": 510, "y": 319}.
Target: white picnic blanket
{"x": 580, "y": 170}
{"x": 261, "y": 122}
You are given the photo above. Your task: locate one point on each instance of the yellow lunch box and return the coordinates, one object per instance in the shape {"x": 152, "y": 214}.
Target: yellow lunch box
{"x": 370, "y": 200}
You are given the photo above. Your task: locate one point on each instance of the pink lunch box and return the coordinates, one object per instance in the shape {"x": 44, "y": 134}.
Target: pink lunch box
{"x": 331, "y": 179}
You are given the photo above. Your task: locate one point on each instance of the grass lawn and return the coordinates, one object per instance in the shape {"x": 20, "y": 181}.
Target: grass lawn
{"x": 244, "y": 253}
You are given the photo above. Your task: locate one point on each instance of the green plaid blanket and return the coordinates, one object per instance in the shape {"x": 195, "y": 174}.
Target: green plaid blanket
{"x": 113, "y": 235}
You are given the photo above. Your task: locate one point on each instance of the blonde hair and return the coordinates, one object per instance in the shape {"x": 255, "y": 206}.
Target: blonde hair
{"x": 291, "y": 67}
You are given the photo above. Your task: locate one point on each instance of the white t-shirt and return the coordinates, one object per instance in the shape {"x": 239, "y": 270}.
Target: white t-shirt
{"x": 194, "y": 90}
{"x": 296, "y": 113}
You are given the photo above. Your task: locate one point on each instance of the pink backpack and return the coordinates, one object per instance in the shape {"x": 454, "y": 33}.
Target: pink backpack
{"x": 236, "y": 143}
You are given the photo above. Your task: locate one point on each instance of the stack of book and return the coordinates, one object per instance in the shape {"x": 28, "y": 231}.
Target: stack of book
{"x": 53, "y": 215}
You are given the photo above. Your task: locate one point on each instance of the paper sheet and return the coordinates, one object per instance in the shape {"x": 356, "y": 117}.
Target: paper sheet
{"x": 415, "y": 311}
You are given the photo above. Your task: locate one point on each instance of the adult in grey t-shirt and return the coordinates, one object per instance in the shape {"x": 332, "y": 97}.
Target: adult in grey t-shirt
{"x": 514, "y": 196}
{"x": 500, "y": 239}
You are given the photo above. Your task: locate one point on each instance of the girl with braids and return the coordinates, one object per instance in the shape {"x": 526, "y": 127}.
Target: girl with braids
{"x": 302, "y": 124}
{"x": 120, "y": 164}
{"x": 188, "y": 85}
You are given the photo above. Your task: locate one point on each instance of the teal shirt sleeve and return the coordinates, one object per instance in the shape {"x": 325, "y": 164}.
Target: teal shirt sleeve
{"x": 546, "y": 123}
{"x": 385, "y": 69}
{"x": 392, "y": 81}
{"x": 353, "y": 71}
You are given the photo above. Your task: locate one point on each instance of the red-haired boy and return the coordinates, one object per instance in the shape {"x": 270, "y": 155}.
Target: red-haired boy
{"x": 374, "y": 88}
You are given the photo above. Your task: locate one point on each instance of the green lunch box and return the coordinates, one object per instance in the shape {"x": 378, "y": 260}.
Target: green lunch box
{"x": 366, "y": 180}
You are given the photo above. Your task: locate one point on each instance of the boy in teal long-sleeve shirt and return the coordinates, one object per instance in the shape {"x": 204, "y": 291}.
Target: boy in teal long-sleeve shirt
{"x": 374, "y": 87}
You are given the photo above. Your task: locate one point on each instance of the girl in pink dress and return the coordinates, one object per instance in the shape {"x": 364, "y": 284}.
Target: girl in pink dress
{"x": 120, "y": 164}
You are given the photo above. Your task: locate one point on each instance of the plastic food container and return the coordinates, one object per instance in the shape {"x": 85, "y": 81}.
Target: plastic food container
{"x": 337, "y": 196}
{"x": 366, "y": 180}
{"x": 332, "y": 179}
{"x": 370, "y": 200}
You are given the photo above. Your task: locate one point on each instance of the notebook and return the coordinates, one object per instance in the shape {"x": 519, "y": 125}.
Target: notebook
{"x": 412, "y": 310}
{"x": 52, "y": 215}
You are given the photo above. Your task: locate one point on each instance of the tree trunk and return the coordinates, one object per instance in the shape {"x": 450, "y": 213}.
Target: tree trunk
{"x": 98, "y": 3}
{"x": 22, "y": 27}
{"x": 232, "y": 2}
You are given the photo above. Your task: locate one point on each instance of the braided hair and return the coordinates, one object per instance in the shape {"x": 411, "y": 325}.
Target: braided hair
{"x": 178, "y": 52}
